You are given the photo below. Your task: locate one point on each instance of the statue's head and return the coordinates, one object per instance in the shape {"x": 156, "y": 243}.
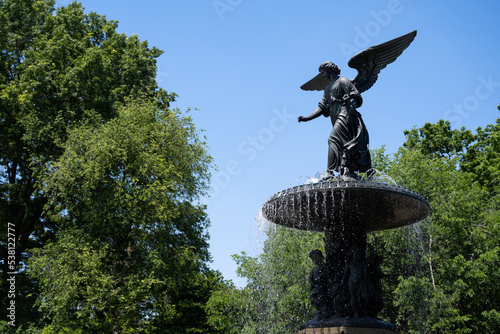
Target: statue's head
{"x": 329, "y": 67}
{"x": 316, "y": 256}
{"x": 357, "y": 253}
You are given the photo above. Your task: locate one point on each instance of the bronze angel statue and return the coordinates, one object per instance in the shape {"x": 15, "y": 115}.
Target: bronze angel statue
{"x": 348, "y": 142}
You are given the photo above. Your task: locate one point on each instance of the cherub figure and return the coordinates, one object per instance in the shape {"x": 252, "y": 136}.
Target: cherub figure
{"x": 318, "y": 281}
{"x": 356, "y": 276}
{"x": 348, "y": 144}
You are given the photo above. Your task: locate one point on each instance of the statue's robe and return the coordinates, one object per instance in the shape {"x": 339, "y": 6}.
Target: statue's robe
{"x": 348, "y": 141}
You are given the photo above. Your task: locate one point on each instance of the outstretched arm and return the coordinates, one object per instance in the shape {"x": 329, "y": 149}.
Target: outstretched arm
{"x": 316, "y": 113}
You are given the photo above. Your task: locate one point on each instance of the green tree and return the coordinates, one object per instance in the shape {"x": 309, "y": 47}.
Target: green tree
{"x": 441, "y": 272}
{"x": 101, "y": 194}
{"x": 439, "y": 140}
{"x": 483, "y": 157}
{"x": 131, "y": 252}
{"x": 59, "y": 67}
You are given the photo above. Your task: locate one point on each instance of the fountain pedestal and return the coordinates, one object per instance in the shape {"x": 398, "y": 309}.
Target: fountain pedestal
{"x": 346, "y": 282}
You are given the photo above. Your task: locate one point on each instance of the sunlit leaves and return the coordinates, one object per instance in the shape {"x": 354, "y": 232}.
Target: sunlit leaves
{"x": 76, "y": 161}
{"x": 443, "y": 278}
{"x": 129, "y": 188}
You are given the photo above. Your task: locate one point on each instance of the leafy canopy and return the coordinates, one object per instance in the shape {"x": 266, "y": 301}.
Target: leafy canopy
{"x": 100, "y": 179}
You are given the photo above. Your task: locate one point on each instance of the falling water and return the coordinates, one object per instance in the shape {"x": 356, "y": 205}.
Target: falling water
{"x": 257, "y": 234}
{"x": 340, "y": 207}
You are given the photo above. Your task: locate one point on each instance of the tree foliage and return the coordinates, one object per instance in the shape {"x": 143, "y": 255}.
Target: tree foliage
{"x": 100, "y": 179}
{"x": 447, "y": 284}
{"x": 122, "y": 194}
{"x": 59, "y": 67}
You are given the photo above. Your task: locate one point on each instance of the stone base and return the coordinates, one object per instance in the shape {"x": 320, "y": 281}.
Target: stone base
{"x": 345, "y": 330}
{"x": 348, "y": 323}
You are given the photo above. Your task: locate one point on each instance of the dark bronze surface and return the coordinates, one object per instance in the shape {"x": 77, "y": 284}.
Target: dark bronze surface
{"x": 348, "y": 143}
{"x": 330, "y": 205}
{"x": 346, "y": 287}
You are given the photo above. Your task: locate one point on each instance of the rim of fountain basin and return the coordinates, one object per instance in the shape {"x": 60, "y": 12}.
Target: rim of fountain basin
{"x": 390, "y": 206}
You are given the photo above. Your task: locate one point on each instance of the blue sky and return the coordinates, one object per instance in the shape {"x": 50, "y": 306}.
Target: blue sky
{"x": 241, "y": 63}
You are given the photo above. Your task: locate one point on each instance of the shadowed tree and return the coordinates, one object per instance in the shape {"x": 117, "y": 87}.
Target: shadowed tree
{"x": 131, "y": 250}
{"x": 78, "y": 181}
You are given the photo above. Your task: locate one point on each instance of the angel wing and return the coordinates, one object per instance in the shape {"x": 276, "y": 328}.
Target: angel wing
{"x": 369, "y": 62}
{"x": 319, "y": 82}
